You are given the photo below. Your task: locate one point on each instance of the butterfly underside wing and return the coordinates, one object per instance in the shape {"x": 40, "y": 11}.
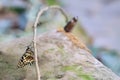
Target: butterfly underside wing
{"x": 69, "y": 26}
{"x": 27, "y": 58}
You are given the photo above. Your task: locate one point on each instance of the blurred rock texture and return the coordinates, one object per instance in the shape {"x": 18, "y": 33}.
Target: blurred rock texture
{"x": 59, "y": 59}
{"x": 101, "y": 21}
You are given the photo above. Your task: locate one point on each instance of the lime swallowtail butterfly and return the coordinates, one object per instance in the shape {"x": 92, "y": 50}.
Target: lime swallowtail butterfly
{"x": 27, "y": 58}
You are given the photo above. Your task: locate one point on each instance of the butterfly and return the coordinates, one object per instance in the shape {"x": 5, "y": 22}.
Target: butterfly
{"x": 69, "y": 26}
{"x": 27, "y": 58}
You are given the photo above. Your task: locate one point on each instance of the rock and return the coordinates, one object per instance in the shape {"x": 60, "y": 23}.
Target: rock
{"x": 60, "y": 58}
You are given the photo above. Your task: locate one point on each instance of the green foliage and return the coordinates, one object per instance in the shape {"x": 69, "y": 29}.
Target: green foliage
{"x": 51, "y": 2}
{"x": 78, "y": 71}
{"x": 17, "y": 10}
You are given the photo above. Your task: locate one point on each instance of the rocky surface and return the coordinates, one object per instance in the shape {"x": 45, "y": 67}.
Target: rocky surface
{"x": 59, "y": 59}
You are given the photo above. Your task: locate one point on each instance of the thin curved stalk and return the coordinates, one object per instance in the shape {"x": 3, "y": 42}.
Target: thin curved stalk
{"x": 35, "y": 34}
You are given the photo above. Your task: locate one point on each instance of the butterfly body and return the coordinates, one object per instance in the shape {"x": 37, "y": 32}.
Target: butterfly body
{"x": 27, "y": 58}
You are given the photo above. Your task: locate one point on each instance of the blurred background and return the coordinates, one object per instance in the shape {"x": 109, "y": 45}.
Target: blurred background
{"x": 98, "y": 27}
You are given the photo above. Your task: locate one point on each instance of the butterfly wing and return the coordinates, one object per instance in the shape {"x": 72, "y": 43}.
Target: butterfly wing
{"x": 27, "y": 58}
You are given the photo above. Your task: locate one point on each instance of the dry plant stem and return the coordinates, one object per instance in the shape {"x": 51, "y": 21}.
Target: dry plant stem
{"x": 52, "y": 7}
{"x": 35, "y": 33}
{"x": 35, "y": 52}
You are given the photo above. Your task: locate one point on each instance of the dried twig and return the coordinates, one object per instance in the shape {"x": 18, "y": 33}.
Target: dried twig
{"x": 35, "y": 32}
{"x": 35, "y": 52}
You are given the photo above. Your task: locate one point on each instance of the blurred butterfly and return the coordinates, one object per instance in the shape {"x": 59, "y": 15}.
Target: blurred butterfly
{"x": 69, "y": 26}
{"x": 27, "y": 58}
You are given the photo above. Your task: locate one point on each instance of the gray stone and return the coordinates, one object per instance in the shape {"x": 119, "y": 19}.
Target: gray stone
{"x": 59, "y": 59}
